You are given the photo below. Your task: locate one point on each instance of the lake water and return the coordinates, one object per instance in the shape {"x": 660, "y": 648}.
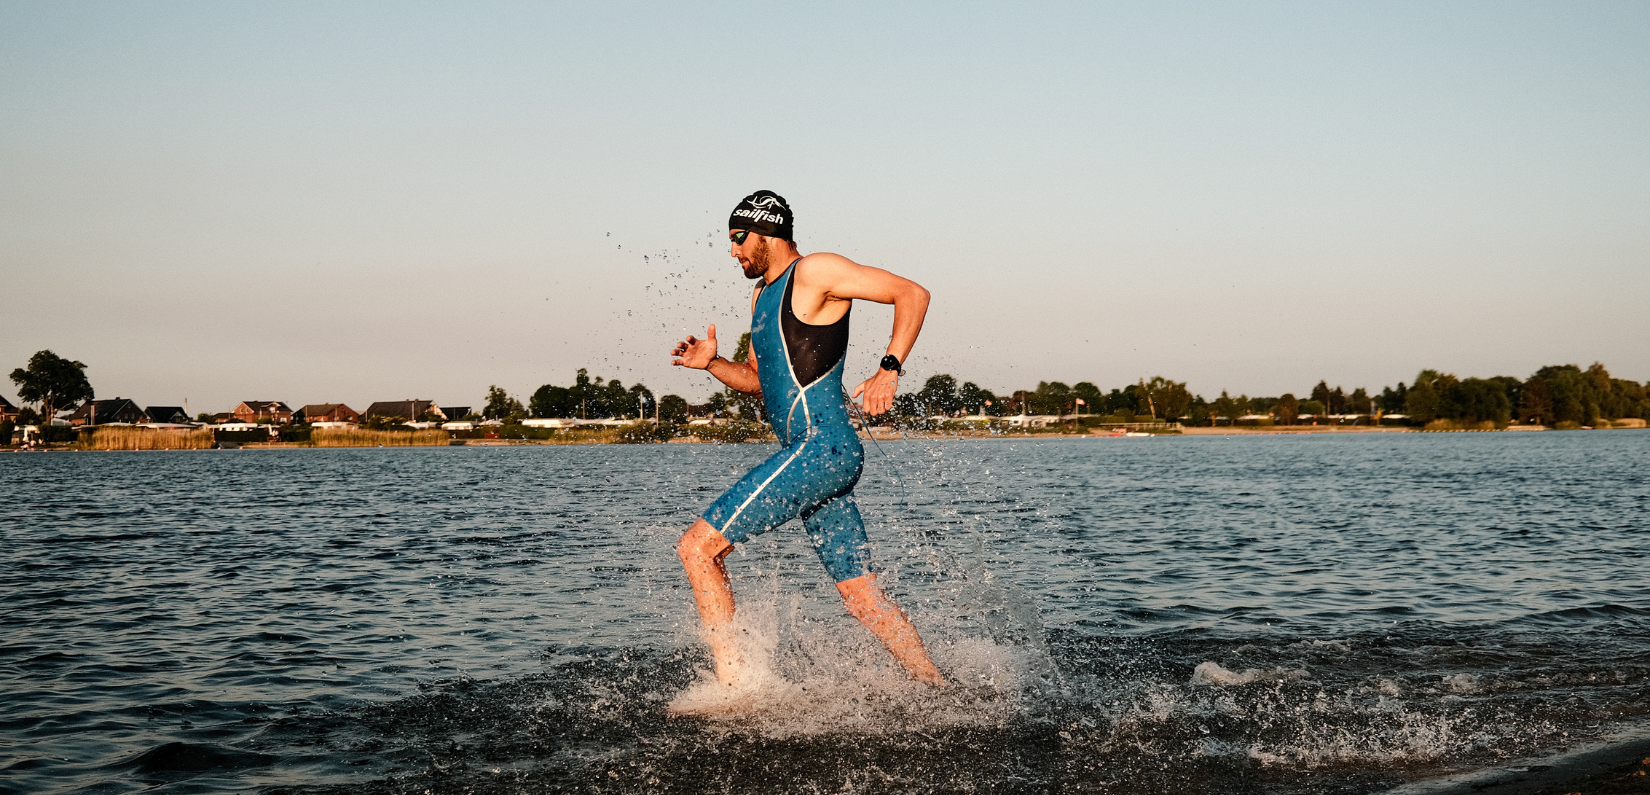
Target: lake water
{"x": 1268, "y": 615}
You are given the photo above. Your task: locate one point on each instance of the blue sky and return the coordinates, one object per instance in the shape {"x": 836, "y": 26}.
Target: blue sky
{"x": 358, "y": 202}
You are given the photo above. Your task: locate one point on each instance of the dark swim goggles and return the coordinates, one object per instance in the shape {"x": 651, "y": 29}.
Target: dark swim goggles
{"x": 738, "y": 236}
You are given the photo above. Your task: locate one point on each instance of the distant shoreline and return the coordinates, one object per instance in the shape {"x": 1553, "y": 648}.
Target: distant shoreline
{"x": 878, "y": 434}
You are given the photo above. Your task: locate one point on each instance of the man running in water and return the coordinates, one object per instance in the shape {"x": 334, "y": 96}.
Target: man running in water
{"x": 799, "y": 337}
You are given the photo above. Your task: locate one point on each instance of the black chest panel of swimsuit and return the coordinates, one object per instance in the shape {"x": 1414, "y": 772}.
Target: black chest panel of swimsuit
{"x": 814, "y": 350}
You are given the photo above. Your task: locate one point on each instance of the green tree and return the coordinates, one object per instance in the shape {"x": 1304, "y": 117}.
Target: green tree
{"x": 1198, "y": 414}
{"x": 1391, "y": 400}
{"x": 1476, "y": 400}
{"x": 1320, "y": 393}
{"x": 1337, "y": 401}
{"x": 1536, "y": 404}
{"x": 1230, "y": 408}
{"x": 1094, "y": 401}
{"x": 717, "y": 405}
{"x": 1051, "y": 397}
{"x": 1164, "y": 398}
{"x": 1288, "y": 409}
{"x": 52, "y": 382}
{"x": 673, "y": 408}
{"x": 939, "y": 395}
{"x": 1359, "y": 402}
{"x": 1314, "y": 408}
{"x": 553, "y": 401}
{"x": 1425, "y": 401}
{"x": 500, "y": 405}
{"x": 974, "y": 400}
{"x": 641, "y": 400}
{"x": 906, "y": 406}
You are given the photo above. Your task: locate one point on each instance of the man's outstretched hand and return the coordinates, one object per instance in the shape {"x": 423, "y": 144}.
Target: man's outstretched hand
{"x": 696, "y": 353}
{"x": 878, "y": 391}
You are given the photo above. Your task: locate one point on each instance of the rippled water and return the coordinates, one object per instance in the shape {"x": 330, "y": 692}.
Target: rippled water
{"x": 1280, "y": 614}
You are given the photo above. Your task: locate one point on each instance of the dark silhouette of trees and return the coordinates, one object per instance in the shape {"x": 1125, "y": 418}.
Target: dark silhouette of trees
{"x": 553, "y": 401}
{"x": 673, "y": 408}
{"x": 500, "y": 405}
{"x": 1391, "y": 400}
{"x": 1164, "y": 398}
{"x": 1536, "y": 406}
{"x": 52, "y": 382}
{"x": 939, "y": 396}
{"x": 1288, "y": 409}
{"x": 971, "y": 399}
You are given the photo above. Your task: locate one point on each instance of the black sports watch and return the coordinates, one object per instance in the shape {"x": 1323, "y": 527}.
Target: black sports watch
{"x": 891, "y": 362}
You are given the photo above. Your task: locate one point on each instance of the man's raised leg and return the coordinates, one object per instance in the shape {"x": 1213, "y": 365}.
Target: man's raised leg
{"x": 702, "y": 549}
{"x": 866, "y": 602}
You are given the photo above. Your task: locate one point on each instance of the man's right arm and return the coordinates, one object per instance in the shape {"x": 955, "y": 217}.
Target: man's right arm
{"x": 739, "y": 376}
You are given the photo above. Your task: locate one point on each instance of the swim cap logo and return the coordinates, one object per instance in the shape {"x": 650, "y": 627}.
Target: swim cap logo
{"x": 760, "y": 215}
{"x": 759, "y": 209}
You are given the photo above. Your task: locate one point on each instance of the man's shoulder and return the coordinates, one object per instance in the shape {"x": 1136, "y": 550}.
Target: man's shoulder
{"x": 823, "y": 267}
{"x": 828, "y": 258}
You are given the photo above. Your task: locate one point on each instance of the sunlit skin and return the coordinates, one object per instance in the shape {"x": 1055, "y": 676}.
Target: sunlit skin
{"x": 824, "y": 290}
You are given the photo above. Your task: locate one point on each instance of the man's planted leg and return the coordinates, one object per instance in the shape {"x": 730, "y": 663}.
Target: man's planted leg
{"x": 702, "y": 550}
{"x": 866, "y": 602}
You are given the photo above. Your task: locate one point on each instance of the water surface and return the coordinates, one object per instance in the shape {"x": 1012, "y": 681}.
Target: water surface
{"x": 1279, "y": 614}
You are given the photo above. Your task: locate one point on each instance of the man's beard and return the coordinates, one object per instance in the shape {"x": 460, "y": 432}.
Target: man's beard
{"x": 758, "y": 266}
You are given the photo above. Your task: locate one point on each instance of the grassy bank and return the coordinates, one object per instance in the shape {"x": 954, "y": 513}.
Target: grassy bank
{"x": 145, "y": 439}
{"x": 359, "y": 437}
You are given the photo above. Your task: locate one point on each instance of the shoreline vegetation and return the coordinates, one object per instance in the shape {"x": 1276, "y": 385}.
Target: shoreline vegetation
{"x": 142, "y": 439}
{"x": 594, "y": 411}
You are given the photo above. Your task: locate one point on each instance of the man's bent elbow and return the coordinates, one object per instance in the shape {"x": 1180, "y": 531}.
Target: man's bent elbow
{"x": 916, "y": 297}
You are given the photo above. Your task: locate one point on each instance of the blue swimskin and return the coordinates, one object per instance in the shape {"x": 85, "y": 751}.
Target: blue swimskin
{"x": 812, "y": 477}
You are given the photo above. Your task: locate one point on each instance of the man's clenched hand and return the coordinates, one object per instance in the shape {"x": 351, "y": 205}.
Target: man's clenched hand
{"x": 878, "y": 391}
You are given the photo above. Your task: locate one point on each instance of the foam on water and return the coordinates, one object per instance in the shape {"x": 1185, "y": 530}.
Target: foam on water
{"x": 802, "y": 676}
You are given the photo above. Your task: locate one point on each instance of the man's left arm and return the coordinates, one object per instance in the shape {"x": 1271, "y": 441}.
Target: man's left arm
{"x": 844, "y": 279}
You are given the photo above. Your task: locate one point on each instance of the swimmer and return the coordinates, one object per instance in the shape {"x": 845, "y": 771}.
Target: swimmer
{"x": 799, "y": 337}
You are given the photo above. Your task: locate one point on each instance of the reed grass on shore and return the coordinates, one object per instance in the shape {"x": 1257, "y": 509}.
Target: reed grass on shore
{"x": 146, "y": 439}
{"x": 359, "y": 437}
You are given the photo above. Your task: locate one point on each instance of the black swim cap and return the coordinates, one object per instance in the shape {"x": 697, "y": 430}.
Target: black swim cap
{"x": 765, "y": 213}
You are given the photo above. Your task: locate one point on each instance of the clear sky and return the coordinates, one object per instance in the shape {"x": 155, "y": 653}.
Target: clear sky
{"x": 318, "y": 202}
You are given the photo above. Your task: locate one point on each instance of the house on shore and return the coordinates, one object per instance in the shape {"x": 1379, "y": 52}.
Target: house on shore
{"x": 326, "y": 412}
{"x": 455, "y": 413}
{"x": 256, "y": 411}
{"x": 168, "y": 414}
{"x": 409, "y": 410}
{"x": 104, "y": 412}
{"x": 8, "y": 412}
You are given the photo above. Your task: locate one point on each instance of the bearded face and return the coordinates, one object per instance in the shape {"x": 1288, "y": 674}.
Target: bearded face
{"x": 757, "y": 265}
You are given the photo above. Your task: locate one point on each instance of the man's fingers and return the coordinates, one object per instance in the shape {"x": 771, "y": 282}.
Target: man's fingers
{"x": 711, "y": 334}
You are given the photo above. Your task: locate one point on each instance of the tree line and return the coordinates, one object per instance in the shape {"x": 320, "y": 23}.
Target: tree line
{"x": 1556, "y": 395}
